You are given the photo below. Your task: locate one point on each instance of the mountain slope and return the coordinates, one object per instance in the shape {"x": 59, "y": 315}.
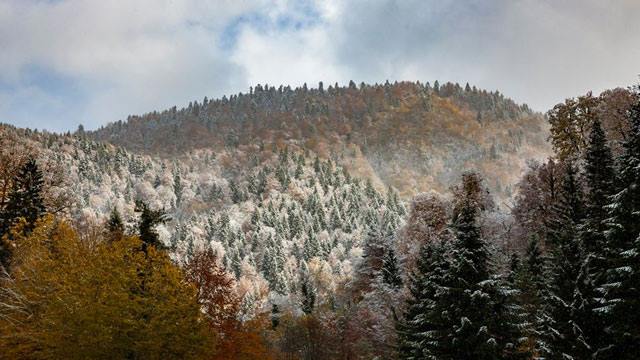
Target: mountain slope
{"x": 411, "y": 136}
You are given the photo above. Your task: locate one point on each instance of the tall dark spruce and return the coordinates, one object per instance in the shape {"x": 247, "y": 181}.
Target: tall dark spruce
{"x": 563, "y": 335}
{"x": 24, "y": 202}
{"x": 419, "y": 334}
{"x": 459, "y": 308}
{"x": 599, "y": 180}
{"x": 621, "y": 288}
{"x": 147, "y": 223}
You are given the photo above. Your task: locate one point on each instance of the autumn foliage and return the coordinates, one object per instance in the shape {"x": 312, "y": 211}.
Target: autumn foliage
{"x": 220, "y": 305}
{"x": 71, "y": 298}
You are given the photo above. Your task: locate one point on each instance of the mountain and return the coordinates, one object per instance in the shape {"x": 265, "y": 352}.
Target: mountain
{"x": 333, "y": 222}
{"x": 282, "y": 180}
{"x": 412, "y": 136}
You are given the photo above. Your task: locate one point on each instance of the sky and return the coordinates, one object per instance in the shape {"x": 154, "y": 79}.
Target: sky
{"x": 70, "y": 62}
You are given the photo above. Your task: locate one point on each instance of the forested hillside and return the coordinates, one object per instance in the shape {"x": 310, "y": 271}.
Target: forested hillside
{"x": 283, "y": 225}
{"x": 412, "y": 136}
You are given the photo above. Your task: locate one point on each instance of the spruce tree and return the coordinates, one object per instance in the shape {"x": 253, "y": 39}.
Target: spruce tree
{"x": 25, "y": 198}
{"x": 563, "y": 334}
{"x": 178, "y": 187}
{"x": 390, "y": 270}
{"x": 114, "y": 225}
{"x": 425, "y": 319}
{"x": 370, "y": 265}
{"x": 147, "y": 223}
{"x": 528, "y": 278}
{"x": 621, "y": 288}
{"x": 307, "y": 292}
{"x": 24, "y": 202}
{"x": 599, "y": 177}
{"x": 461, "y": 309}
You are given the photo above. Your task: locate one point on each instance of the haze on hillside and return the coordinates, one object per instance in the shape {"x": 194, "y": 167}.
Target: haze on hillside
{"x": 74, "y": 62}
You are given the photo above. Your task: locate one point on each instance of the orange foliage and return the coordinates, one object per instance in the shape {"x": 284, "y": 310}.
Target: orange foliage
{"x": 220, "y": 304}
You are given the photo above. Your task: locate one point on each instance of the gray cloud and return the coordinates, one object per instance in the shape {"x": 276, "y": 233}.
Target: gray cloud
{"x": 73, "y": 61}
{"x": 535, "y": 51}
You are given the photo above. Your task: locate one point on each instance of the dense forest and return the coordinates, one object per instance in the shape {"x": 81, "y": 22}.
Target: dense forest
{"x": 412, "y": 136}
{"x": 394, "y": 221}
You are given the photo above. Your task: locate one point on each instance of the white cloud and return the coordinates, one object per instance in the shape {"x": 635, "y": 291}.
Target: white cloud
{"x": 112, "y": 58}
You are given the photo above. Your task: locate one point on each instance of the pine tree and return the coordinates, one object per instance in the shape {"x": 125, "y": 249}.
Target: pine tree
{"x": 390, "y": 270}
{"x": 25, "y": 198}
{"x": 424, "y": 319}
{"x": 621, "y": 288}
{"x": 599, "y": 176}
{"x": 177, "y": 186}
{"x": 563, "y": 335}
{"x": 307, "y": 291}
{"x": 371, "y": 263}
{"x": 273, "y": 262}
{"x": 312, "y": 246}
{"x": 461, "y": 309}
{"x": 149, "y": 219}
{"x": 24, "y": 202}
{"x": 275, "y": 316}
{"x": 529, "y": 279}
{"x": 114, "y": 225}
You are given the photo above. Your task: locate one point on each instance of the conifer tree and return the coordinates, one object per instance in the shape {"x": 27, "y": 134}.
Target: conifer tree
{"x": 149, "y": 219}
{"x": 599, "y": 176}
{"x": 24, "y": 202}
{"x": 114, "y": 225}
{"x": 372, "y": 258}
{"x": 390, "y": 270}
{"x": 621, "y": 288}
{"x": 463, "y": 310}
{"x": 178, "y": 187}
{"x": 312, "y": 246}
{"x": 424, "y": 322}
{"x": 307, "y": 292}
{"x": 25, "y": 199}
{"x": 564, "y": 336}
{"x": 529, "y": 279}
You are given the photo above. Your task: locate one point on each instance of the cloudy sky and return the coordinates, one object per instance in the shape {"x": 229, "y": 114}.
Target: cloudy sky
{"x": 66, "y": 62}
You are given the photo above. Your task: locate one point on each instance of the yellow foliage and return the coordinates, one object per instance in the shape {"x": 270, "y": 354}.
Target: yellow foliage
{"x": 67, "y": 298}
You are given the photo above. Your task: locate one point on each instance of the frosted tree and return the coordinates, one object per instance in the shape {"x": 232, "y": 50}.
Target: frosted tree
{"x": 621, "y": 288}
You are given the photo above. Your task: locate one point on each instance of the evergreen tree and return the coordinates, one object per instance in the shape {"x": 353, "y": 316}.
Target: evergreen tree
{"x": 24, "y": 202}
{"x": 312, "y": 247}
{"x": 564, "y": 336}
{"x": 25, "y": 198}
{"x": 529, "y": 279}
{"x": 114, "y": 225}
{"x": 371, "y": 263}
{"x": 275, "y": 316}
{"x": 390, "y": 270}
{"x": 621, "y": 288}
{"x": 461, "y": 310}
{"x": 273, "y": 262}
{"x": 149, "y": 219}
{"x": 307, "y": 291}
{"x": 599, "y": 176}
{"x": 177, "y": 186}
{"x": 469, "y": 334}
{"x": 425, "y": 317}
